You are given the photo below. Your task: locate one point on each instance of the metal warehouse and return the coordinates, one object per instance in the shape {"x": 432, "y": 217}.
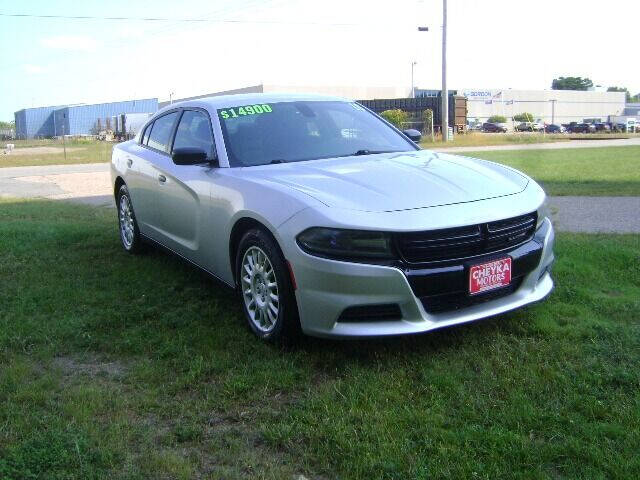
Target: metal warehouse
{"x": 35, "y": 122}
{"x": 76, "y": 119}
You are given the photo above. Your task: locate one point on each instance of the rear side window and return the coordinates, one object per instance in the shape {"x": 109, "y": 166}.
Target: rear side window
{"x": 194, "y": 131}
{"x": 145, "y": 137}
{"x": 160, "y": 136}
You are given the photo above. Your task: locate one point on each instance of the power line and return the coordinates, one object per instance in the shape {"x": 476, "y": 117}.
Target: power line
{"x": 176, "y": 20}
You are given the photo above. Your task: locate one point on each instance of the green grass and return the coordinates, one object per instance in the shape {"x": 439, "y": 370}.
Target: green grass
{"x": 576, "y": 171}
{"x": 78, "y": 151}
{"x": 126, "y": 367}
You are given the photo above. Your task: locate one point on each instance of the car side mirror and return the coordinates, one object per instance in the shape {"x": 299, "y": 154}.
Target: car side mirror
{"x": 413, "y": 134}
{"x": 189, "y": 156}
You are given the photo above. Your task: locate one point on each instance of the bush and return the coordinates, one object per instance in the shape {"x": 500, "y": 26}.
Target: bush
{"x": 497, "y": 119}
{"x": 523, "y": 117}
{"x": 396, "y": 117}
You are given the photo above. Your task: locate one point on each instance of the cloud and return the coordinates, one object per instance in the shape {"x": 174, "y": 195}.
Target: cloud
{"x": 69, "y": 42}
{"x": 32, "y": 69}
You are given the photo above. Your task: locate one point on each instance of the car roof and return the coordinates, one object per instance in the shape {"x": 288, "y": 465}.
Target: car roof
{"x": 226, "y": 101}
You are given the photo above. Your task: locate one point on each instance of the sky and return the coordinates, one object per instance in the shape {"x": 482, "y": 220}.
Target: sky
{"x": 491, "y": 44}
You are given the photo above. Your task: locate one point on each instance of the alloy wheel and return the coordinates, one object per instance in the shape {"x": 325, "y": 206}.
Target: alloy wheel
{"x": 126, "y": 221}
{"x": 260, "y": 289}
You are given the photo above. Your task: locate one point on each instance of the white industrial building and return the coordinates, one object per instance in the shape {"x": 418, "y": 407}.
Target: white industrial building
{"x": 549, "y": 106}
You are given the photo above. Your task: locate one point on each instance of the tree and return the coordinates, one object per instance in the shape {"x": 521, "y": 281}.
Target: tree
{"x": 571, "y": 83}
{"x": 8, "y": 125}
{"x": 523, "y": 117}
{"x": 497, "y": 119}
{"x": 396, "y": 117}
{"x": 621, "y": 89}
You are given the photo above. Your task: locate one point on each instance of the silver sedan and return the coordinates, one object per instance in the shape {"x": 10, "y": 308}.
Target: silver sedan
{"x": 328, "y": 220}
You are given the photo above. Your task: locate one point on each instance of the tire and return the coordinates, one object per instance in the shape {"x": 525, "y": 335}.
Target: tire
{"x": 127, "y": 224}
{"x": 266, "y": 290}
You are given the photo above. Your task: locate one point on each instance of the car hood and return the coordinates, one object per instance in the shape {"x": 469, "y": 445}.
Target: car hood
{"x": 395, "y": 181}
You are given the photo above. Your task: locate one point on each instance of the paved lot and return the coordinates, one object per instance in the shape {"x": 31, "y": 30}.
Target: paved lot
{"x": 87, "y": 183}
{"x": 91, "y": 184}
{"x": 596, "y": 214}
{"x": 547, "y": 146}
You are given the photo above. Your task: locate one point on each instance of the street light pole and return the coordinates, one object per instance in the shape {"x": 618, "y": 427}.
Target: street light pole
{"x": 413, "y": 89}
{"x": 445, "y": 93}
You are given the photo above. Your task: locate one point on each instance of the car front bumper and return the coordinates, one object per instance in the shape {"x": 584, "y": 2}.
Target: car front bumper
{"x": 326, "y": 288}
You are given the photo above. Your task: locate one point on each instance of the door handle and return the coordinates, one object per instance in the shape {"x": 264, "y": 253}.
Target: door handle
{"x": 162, "y": 178}
{"x": 129, "y": 162}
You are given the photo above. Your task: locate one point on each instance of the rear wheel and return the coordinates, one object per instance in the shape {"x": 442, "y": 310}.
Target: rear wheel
{"x": 266, "y": 288}
{"x": 128, "y": 226}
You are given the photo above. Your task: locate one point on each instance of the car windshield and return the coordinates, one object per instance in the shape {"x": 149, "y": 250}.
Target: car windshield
{"x": 281, "y": 132}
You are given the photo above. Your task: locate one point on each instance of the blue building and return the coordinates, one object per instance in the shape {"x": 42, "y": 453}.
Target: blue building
{"x": 76, "y": 119}
{"x": 89, "y": 119}
{"x": 35, "y": 122}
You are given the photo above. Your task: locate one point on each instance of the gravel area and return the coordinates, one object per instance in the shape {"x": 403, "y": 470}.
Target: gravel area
{"x": 85, "y": 183}
{"x": 596, "y": 214}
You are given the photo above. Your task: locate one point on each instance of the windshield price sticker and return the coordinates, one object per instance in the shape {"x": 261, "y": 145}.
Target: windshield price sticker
{"x": 236, "y": 112}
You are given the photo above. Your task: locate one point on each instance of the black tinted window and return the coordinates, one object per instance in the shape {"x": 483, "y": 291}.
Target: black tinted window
{"x": 194, "y": 130}
{"x": 161, "y": 132}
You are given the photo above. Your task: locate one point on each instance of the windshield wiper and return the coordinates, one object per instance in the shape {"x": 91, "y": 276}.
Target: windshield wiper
{"x": 370, "y": 152}
{"x": 277, "y": 160}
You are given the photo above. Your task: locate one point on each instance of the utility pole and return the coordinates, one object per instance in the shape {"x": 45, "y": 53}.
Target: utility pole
{"x": 171, "y": 98}
{"x": 445, "y": 93}
{"x": 553, "y": 111}
{"x": 413, "y": 89}
{"x": 64, "y": 145}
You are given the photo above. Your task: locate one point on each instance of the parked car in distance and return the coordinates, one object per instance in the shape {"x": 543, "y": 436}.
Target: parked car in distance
{"x": 553, "y": 128}
{"x": 328, "y": 220}
{"x": 602, "y": 127}
{"x": 529, "y": 127}
{"x": 494, "y": 127}
{"x": 581, "y": 128}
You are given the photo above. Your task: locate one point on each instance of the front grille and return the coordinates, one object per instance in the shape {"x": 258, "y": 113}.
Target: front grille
{"x": 463, "y": 242}
{"x": 371, "y": 313}
{"x": 457, "y": 300}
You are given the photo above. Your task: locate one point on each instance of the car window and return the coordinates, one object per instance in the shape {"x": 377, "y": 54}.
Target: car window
{"x": 194, "y": 130}
{"x": 145, "y": 137}
{"x": 161, "y": 132}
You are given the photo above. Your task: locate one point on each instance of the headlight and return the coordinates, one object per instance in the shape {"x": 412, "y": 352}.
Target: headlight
{"x": 346, "y": 244}
{"x": 543, "y": 212}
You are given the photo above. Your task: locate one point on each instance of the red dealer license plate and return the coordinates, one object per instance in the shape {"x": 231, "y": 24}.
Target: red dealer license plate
{"x": 490, "y": 275}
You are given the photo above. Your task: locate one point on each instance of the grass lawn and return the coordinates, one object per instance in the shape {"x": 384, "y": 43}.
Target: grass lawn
{"x": 478, "y": 139}
{"x": 576, "y": 171}
{"x": 51, "y": 152}
{"x": 123, "y": 367}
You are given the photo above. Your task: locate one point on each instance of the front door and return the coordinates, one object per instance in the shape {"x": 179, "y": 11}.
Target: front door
{"x": 185, "y": 192}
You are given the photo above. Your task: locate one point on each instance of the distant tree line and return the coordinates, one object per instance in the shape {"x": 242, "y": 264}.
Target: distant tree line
{"x": 579, "y": 83}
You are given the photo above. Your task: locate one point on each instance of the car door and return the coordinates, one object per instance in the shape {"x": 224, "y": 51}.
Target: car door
{"x": 185, "y": 190}
{"x": 154, "y": 154}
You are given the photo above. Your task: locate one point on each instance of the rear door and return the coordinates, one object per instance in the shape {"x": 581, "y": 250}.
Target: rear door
{"x": 152, "y": 162}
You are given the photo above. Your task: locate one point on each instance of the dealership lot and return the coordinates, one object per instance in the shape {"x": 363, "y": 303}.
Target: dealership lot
{"x": 141, "y": 366}
{"x": 150, "y": 377}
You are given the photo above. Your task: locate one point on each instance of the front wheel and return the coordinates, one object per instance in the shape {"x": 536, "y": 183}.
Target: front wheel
{"x": 266, "y": 288}
{"x": 128, "y": 226}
